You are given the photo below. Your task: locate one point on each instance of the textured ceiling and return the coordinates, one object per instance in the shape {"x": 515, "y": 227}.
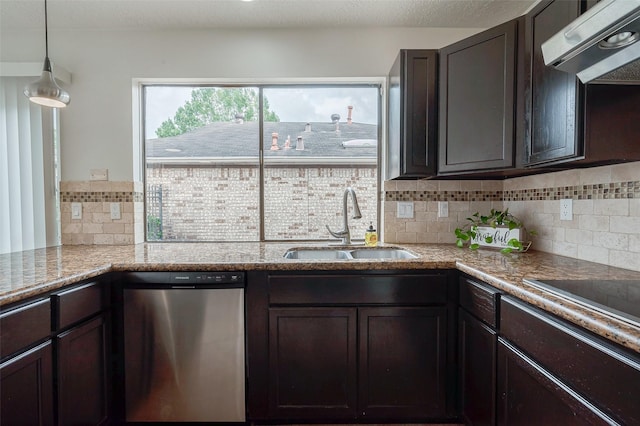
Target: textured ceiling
{"x": 206, "y": 14}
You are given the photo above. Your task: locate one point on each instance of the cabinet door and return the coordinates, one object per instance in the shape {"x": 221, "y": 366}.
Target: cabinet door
{"x": 554, "y": 98}
{"x": 26, "y": 388}
{"x": 477, "y": 98}
{"x": 402, "y": 358}
{"x": 411, "y": 151}
{"x": 312, "y": 358}
{"x": 477, "y": 361}
{"x": 82, "y": 374}
{"x": 531, "y": 396}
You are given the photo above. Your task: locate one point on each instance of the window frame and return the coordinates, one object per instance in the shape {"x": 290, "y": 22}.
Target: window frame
{"x": 140, "y": 153}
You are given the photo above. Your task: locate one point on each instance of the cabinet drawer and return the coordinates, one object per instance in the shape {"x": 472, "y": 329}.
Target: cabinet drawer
{"x": 78, "y": 303}
{"x": 480, "y": 300}
{"x": 24, "y": 326}
{"x": 605, "y": 375}
{"x": 317, "y": 289}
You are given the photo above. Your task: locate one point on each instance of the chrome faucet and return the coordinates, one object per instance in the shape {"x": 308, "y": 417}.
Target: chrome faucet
{"x": 345, "y": 234}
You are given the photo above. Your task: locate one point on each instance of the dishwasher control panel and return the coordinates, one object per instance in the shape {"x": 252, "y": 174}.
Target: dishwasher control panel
{"x": 187, "y": 278}
{"x": 207, "y": 277}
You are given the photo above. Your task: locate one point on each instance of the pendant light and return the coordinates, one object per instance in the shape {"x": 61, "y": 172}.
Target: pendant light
{"x": 45, "y": 91}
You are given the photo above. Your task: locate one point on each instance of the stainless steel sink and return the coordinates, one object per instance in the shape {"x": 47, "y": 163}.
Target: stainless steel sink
{"x": 382, "y": 253}
{"x": 331, "y": 253}
{"x": 317, "y": 254}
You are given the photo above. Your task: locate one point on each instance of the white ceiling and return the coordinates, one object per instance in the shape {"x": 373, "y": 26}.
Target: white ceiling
{"x": 207, "y": 14}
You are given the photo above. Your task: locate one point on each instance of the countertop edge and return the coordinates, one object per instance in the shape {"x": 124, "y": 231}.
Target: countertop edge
{"x": 46, "y": 287}
{"x": 504, "y": 273}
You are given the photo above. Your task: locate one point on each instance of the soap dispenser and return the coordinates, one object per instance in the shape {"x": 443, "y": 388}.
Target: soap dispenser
{"x": 371, "y": 236}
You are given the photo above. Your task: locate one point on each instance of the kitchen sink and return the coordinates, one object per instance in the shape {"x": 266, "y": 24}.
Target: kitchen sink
{"x": 317, "y": 254}
{"x": 382, "y": 253}
{"x": 330, "y": 253}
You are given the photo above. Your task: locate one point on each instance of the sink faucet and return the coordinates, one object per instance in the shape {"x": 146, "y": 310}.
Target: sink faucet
{"x": 345, "y": 234}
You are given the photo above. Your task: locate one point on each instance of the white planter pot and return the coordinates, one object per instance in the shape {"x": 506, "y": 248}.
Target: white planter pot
{"x": 498, "y": 236}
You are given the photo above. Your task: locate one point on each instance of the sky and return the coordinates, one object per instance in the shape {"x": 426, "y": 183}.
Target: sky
{"x": 293, "y": 104}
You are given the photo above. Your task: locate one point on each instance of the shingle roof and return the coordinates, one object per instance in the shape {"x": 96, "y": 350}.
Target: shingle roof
{"x": 229, "y": 139}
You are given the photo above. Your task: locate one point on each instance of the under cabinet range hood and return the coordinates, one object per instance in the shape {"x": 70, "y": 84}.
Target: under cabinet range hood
{"x": 603, "y": 39}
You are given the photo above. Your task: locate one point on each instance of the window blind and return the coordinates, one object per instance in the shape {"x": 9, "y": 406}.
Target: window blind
{"x": 27, "y": 184}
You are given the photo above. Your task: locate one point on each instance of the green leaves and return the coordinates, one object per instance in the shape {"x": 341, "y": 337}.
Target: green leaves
{"x": 462, "y": 235}
{"x": 513, "y": 244}
{"x": 211, "y": 104}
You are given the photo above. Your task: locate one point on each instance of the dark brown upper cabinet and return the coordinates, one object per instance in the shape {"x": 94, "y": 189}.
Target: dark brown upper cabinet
{"x": 568, "y": 124}
{"x": 478, "y": 102}
{"x": 553, "y": 99}
{"x": 411, "y": 150}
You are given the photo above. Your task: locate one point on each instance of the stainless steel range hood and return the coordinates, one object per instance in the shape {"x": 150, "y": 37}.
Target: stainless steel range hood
{"x": 604, "y": 39}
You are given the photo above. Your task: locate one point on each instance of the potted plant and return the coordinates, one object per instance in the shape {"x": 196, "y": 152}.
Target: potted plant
{"x": 499, "y": 229}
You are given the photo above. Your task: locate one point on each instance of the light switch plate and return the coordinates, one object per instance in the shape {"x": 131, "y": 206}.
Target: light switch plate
{"x": 115, "y": 211}
{"x": 76, "y": 210}
{"x": 99, "y": 174}
{"x": 405, "y": 210}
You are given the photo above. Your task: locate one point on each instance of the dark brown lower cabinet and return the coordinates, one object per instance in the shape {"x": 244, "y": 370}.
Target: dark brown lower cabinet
{"x": 83, "y": 392}
{"x": 318, "y": 370}
{"x": 312, "y": 359}
{"x": 607, "y": 375}
{"x": 402, "y": 362}
{"x": 477, "y": 370}
{"x": 529, "y": 395}
{"x": 347, "y": 346}
{"x": 26, "y": 388}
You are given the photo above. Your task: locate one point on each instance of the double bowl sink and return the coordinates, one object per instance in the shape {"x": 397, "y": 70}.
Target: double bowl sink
{"x": 348, "y": 253}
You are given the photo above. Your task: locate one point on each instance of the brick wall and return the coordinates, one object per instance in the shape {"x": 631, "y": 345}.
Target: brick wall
{"x": 222, "y": 204}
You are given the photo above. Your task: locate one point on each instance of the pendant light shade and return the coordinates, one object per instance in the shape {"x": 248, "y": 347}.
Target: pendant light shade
{"x": 45, "y": 91}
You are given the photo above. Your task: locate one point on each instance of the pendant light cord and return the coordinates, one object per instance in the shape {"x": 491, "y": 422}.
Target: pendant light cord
{"x": 45, "y": 91}
{"x": 46, "y": 31}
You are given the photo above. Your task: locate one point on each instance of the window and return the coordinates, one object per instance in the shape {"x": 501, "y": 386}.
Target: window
{"x": 258, "y": 163}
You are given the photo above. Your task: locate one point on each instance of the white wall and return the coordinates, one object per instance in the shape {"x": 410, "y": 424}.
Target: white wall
{"x": 97, "y": 129}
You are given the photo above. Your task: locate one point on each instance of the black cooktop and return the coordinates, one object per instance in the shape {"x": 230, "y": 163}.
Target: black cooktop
{"x": 620, "y": 298}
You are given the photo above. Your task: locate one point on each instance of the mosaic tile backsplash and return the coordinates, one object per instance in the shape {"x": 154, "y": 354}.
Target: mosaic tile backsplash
{"x": 101, "y": 197}
{"x": 605, "y": 227}
{"x": 96, "y": 225}
{"x": 610, "y": 191}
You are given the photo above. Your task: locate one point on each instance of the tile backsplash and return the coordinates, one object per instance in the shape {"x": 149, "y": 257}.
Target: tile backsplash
{"x": 96, "y": 225}
{"x": 605, "y": 227}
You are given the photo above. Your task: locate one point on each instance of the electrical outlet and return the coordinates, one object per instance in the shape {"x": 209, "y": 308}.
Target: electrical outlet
{"x": 566, "y": 209}
{"x": 443, "y": 209}
{"x": 99, "y": 174}
{"x": 115, "y": 211}
{"x": 76, "y": 210}
{"x": 405, "y": 210}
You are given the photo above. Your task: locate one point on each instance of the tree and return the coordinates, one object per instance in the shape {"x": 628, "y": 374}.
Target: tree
{"x": 208, "y": 105}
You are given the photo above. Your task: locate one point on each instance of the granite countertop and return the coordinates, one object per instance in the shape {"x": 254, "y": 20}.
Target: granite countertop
{"x": 30, "y": 273}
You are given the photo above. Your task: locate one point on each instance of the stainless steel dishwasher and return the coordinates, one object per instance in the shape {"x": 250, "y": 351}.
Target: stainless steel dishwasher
{"x": 184, "y": 346}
